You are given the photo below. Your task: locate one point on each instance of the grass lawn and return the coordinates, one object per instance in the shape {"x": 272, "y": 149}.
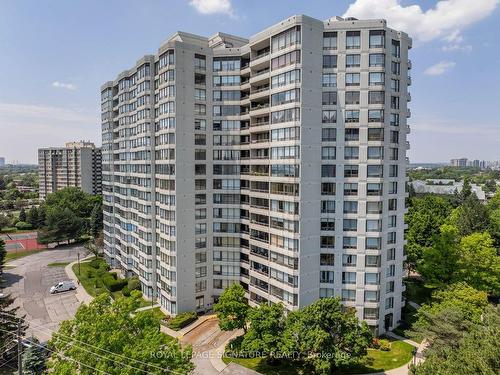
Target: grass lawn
{"x": 13, "y": 255}
{"x": 375, "y": 361}
{"x": 58, "y": 264}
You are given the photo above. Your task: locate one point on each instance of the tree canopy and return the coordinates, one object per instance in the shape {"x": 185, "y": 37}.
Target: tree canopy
{"x": 111, "y": 337}
{"x": 232, "y": 308}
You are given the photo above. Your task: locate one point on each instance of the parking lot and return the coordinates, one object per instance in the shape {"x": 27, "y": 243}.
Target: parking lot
{"x": 29, "y": 282}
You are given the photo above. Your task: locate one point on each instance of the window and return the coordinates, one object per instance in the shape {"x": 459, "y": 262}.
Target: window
{"x": 286, "y": 78}
{"x": 353, "y": 61}
{"x": 393, "y": 187}
{"x": 327, "y": 260}
{"x": 393, "y": 219}
{"x": 373, "y": 225}
{"x": 329, "y": 61}
{"x": 226, "y": 80}
{"x": 226, "y": 64}
{"x": 393, "y": 171}
{"x": 350, "y": 242}
{"x": 352, "y": 79}
{"x": 376, "y": 97}
{"x": 389, "y": 287}
{"x": 200, "y": 199}
{"x": 393, "y": 204}
{"x": 200, "y": 154}
{"x": 348, "y": 277}
{"x": 395, "y": 48}
{"x": 351, "y": 116}
{"x": 328, "y": 170}
{"x": 376, "y": 115}
{"x": 374, "y": 207}
{"x": 350, "y": 225}
{"x": 351, "y": 134}
{"x": 370, "y": 313}
{"x": 375, "y": 171}
{"x": 326, "y": 277}
{"x": 395, "y": 68}
{"x": 351, "y": 153}
{"x": 371, "y": 296}
{"x": 226, "y": 95}
{"x": 377, "y": 38}
{"x": 285, "y": 97}
{"x": 327, "y": 242}
{"x": 329, "y": 98}
{"x": 226, "y": 110}
{"x": 350, "y": 189}
{"x": 350, "y": 207}
{"x": 394, "y": 119}
{"x": 389, "y": 303}
{"x": 286, "y": 38}
{"x": 329, "y": 80}
{"x": 376, "y": 78}
{"x": 200, "y": 94}
{"x": 373, "y": 243}
{"x": 372, "y": 260}
{"x": 391, "y": 271}
{"x": 200, "y": 109}
{"x": 328, "y": 153}
{"x": 376, "y": 134}
{"x": 200, "y": 124}
{"x": 200, "y": 62}
{"x": 327, "y": 207}
{"x": 326, "y": 292}
{"x": 330, "y": 40}
{"x": 200, "y": 169}
{"x": 348, "y": 295}
{"x": 372, "y": 278}
{"x": 394, "y": 136}
{"x": 291, "y": 114}
{"x": 329, "y": 117}
{"x": 394, "y": 102}
{"x": 395, "y": 85}
{"x": 352, "y": 97}
{"x": 391, "y": 254}
{"x": 328, "y": 188}
{"x": 200, "y": 79}
{"x": 289, "y": 58}
{"x": 200, "y": 272}
{"x": 351, "y": 171}
{"x": 329, "y": 135}
{"x": 353, "y": 39}
{"x": 327, "y": 224}
{"x": 373, "y": 189}
{"x": 393, "y": 153}
{"x": 200, "y": 139}
{"x": 200, "y": 184}
{"x": 377, "y": 59}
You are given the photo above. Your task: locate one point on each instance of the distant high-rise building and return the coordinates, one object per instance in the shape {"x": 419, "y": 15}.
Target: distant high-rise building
{"x": 2, "y": 161}
{"x": 462, "y": 162}
{"x": 77, "y": 164}
{"x": 277, "y": 162}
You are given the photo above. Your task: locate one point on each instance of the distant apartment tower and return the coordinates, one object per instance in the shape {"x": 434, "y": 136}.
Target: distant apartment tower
{"x": 2, "y": 161}
{"x": 77, "y": 164}
{"x": 462, "y": 162}
{"x": 277, "y": 162}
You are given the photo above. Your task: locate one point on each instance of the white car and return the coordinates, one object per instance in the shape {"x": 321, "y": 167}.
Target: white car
{"x": 63, "y": 286}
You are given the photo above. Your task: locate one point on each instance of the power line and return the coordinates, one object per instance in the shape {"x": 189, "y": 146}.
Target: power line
{"x": 70, "y": 339}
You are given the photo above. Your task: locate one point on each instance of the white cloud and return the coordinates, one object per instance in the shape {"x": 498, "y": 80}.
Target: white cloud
{"x": 445, "y": 21}
{"x": 213, "y": 7}
{"x": 62, "y": 85}
{"x": 439, "y": 68}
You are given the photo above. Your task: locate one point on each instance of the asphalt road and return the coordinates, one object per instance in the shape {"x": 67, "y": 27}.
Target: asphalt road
{"x": 29, "y": 282}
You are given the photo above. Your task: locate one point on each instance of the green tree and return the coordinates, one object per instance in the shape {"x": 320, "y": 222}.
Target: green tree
{"x": 327, "y": 335}
{"x": 478, "y": 263}
{"x": 4, "y": 221}
{"x": 62, "y": 225}
{"x": 9, "y": 318}
{"x": 424, "y": 218}
{"x": 32, "y": 217}
{"x": 22, "y": 215}
{"x": 34, "y": 358}
{"x": 95, "y": 220}
{"x": 232, "y": 308}
{"x": 42, "y": 217}
{"x": 265, "y": 332}
{"x": 438, "y": 265}
{"x": 79, "y": 202}
{"x": 451, "y": 313}
{"x": 474, "y": 351}
{"x": 108, "y": 338}
{"x": 472, "y": 216}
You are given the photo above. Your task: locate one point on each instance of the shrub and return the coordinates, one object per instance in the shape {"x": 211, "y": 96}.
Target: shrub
{"x": 95, "y": 263}
{"x": 375, "y": 343}
{"x": 126, "y": 291}
{"x": 134, "y": 284}
{"x": 182, "y": 320}
{"x": 112, "y": 284}
{"x": 385, "y": 345}
{"x": 22, "y": 225}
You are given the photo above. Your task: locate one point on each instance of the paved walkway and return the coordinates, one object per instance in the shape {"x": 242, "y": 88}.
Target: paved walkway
{"x": 81, "y": 293}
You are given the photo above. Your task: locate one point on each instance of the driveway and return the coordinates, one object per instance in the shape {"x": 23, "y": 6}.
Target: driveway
{"x": 29, "y": 282}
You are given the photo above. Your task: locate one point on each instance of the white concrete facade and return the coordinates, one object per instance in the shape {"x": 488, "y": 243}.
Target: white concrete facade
{"x": 277, "y": 162}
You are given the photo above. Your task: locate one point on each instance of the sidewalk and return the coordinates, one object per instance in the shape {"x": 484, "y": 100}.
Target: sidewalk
{"x": 183, "y": 331}
{"x": 81, "y": 293}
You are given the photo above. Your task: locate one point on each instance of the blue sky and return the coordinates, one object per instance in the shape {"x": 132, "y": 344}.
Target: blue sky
{"x": 56, "y": 54}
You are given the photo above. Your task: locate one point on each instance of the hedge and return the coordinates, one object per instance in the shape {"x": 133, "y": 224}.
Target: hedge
{"x": 134, "y": 284}
{"x": 22, "y": 225}
{"x": 113, "y": 284}
{"x": 182, "y": 320}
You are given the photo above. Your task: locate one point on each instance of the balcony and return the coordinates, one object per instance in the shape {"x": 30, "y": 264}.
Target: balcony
{"x": 409, "y": 64}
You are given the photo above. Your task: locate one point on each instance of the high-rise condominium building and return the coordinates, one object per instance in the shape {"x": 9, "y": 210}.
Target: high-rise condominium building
{"x": 276, "y": 162}
{"x": 78, "y": 164}
{"x": 2, "y": 161}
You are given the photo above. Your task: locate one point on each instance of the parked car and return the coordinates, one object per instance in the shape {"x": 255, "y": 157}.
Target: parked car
{"x": 62, "y": 286}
